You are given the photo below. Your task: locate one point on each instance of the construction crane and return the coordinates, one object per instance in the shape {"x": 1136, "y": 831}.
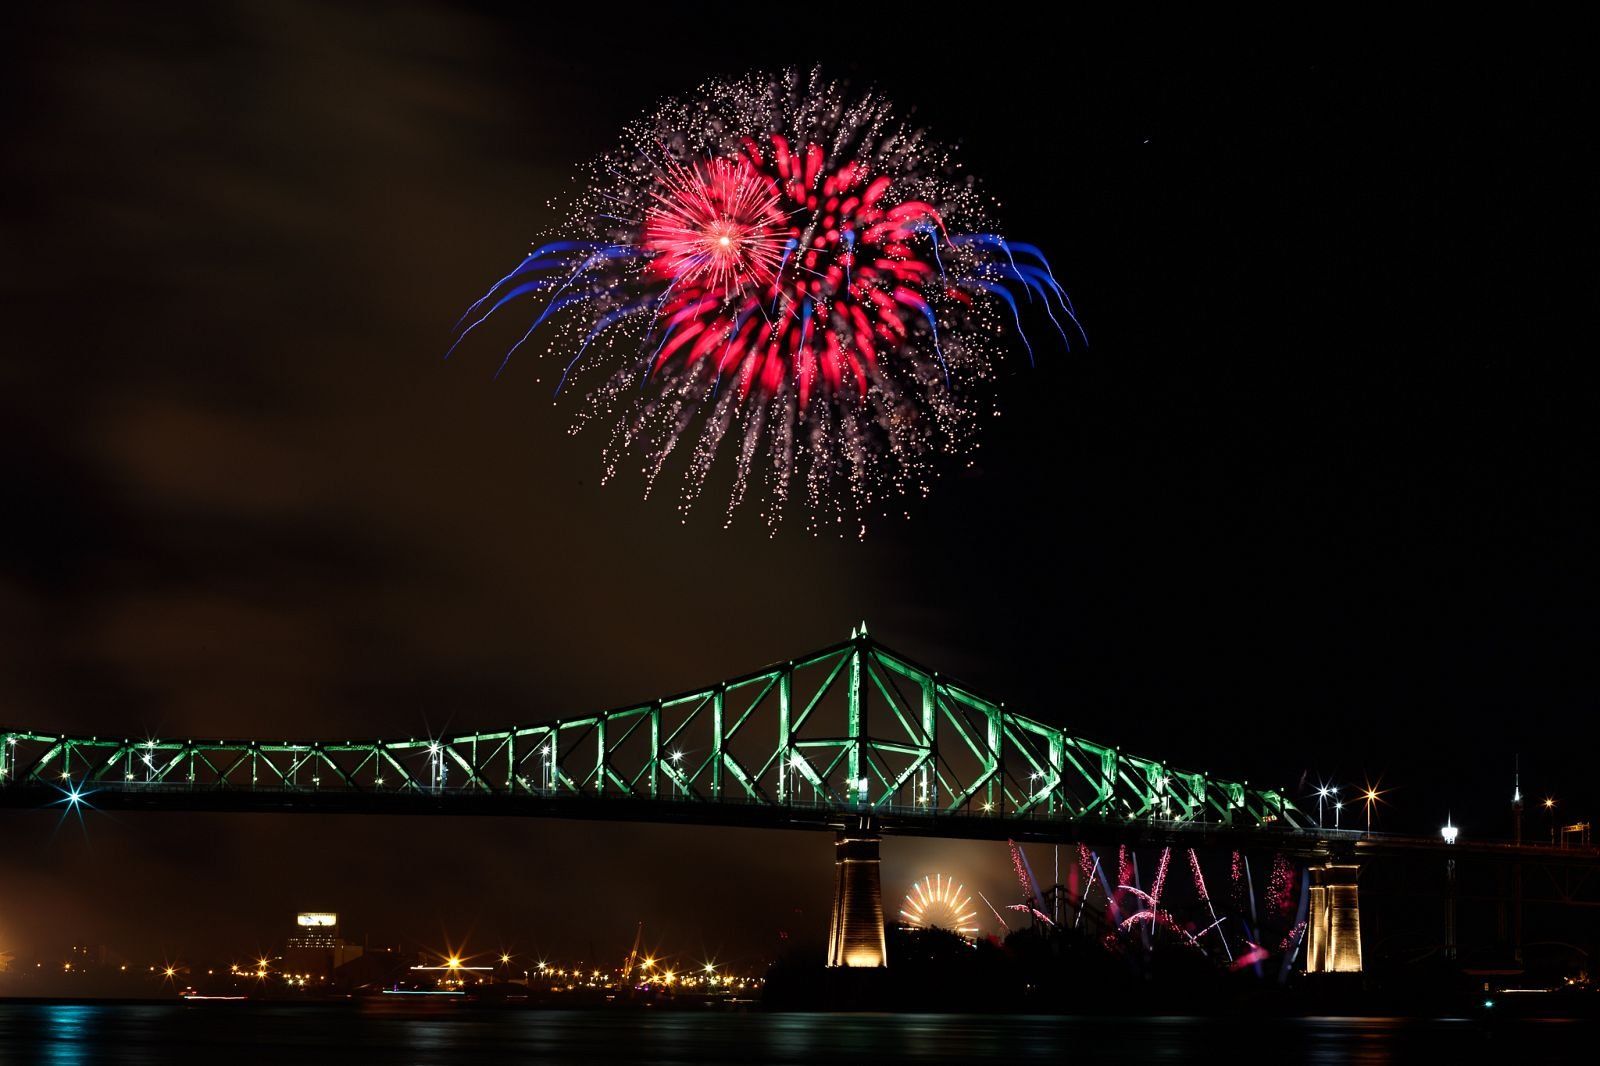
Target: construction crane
{"x": 633, "y": 956}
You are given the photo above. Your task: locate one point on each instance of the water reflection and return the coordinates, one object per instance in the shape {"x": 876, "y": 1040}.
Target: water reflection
{"x": 68, "y": 1033}
{"x": 307, "y": 1036}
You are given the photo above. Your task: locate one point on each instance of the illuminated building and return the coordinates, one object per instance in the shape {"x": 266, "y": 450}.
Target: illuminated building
{"x": 315, "y": 946}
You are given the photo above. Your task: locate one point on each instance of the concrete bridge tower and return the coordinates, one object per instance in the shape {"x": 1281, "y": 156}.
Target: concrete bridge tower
{"x": 1333, "y": 922}
{"x": 855, "y": 935}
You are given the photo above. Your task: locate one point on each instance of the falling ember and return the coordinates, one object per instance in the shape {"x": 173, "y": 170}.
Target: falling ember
{"x": 783, "y": 270}
{"x": 1019, "y": 865}
{"x": 939, "y": 902}
{"x": 1205, "y": 897}
{"x": 998, "y": 917}
{"x": 1255, "y": 954}
{"x": 1161, "y": 875}
{"x": 1145, "y": 897}
{"x": 1199, "y": 877}
{"x": 1034, "y": 912}
{"x": 1281, "y": 886}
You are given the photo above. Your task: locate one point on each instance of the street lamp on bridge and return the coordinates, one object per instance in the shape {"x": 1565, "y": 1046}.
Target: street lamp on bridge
{"x": 1450, "y": 832}
{"x": 1371, "y": 798}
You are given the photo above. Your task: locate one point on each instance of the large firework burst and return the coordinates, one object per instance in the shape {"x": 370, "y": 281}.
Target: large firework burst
{"x": 787, "y": 268}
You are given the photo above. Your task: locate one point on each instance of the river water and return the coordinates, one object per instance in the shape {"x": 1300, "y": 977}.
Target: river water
{"x": 310, "y": 1035}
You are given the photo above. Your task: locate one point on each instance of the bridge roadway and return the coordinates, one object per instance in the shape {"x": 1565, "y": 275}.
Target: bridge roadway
{"x": 1304, "y": 843}
{"x": 1308, "y": 843}
{"x": 796, "y": 814}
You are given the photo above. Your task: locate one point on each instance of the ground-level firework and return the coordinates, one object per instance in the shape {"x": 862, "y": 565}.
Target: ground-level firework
{"x": 782, "y": 270}
{"x": 1151, "y": 909}
{"x": 940, "y": 902}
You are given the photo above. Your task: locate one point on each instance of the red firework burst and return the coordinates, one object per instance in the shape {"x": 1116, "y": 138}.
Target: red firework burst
{"x": 788, "y": 236}
{"x": 779, "y": 271}
{"x": 717, "y": 226}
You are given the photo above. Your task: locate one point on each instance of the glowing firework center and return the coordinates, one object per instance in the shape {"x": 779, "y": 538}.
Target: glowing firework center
{"x": 938, "y": 902}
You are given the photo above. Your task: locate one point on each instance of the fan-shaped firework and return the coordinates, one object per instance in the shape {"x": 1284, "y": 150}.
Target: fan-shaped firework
{"x": 788, "y": 269}
{"x": 938, "y": 902}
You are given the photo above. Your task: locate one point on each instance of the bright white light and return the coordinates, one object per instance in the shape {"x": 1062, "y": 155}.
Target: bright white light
{"x": 1449, "y": 832}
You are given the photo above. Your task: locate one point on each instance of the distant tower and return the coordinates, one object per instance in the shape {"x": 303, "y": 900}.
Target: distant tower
{"x": 855, "y": 936}
{"x": 1516, "y": 800}
{"x": 1516, "y": 868}
{"x": 1450, "y": 891}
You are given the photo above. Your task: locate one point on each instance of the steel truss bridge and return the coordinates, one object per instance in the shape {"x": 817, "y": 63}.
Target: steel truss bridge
{"x": 847, "y": 731}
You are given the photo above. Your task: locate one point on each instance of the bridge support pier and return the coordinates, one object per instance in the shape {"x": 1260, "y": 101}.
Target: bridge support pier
{"x": 1333, "y": 922}
{"x": 855, "y": 935}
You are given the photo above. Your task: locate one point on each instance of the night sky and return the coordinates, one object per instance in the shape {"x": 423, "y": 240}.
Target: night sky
{"x": 1316, "y": 503}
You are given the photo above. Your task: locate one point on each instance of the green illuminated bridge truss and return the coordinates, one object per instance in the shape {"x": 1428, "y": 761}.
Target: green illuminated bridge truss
{"x": 850, "y": 730}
